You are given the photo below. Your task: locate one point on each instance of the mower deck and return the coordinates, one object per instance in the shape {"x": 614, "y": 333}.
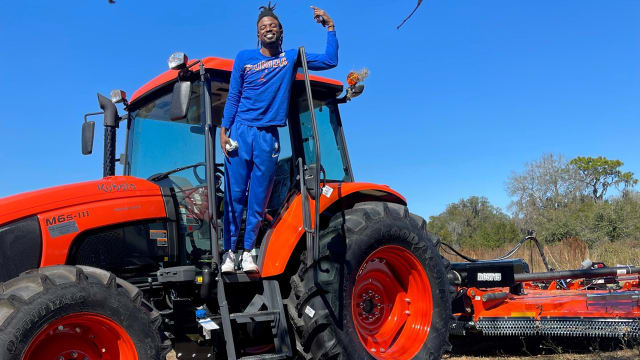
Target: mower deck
{"x": 606, "y": 307}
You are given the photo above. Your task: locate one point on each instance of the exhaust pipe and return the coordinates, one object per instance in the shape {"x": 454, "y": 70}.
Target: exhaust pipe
{"x": 110, "y": 126}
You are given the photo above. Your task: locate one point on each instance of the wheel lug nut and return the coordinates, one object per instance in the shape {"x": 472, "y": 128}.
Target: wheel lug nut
{"x": 60, "y": 327}
{"x": 407, "y": 300}
{"x": 60, "y": 357}
{"x": 408, "y": 312}
{"x": 74, "y": 354}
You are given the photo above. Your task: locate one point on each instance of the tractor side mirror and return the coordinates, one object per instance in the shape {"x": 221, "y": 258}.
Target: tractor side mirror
{"x": 88, "y": 129}
{"x": 180, "y": 100}
{"x": 356, "y": 87}
{"x": 355, "y": 91}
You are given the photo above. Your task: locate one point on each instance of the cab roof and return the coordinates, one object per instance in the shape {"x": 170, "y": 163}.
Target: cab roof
{"x": 212, "y": 63}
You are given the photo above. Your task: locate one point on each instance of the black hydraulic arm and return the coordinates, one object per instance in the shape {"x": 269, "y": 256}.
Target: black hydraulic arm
{"x": 577, "y": 274}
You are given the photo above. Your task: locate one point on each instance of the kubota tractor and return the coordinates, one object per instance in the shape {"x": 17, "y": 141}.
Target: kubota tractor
{"x": 127, "y": 267}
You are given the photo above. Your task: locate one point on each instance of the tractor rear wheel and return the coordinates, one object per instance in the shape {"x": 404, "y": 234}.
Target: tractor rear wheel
{"x": 76, "y": 312}
{"x": 381, "y": 289}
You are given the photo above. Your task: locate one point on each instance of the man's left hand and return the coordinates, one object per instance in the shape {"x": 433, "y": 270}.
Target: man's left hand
{"x": 321, "y": 16}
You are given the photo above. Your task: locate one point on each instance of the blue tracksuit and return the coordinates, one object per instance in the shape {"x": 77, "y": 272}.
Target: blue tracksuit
{"x": 257, "y": 104}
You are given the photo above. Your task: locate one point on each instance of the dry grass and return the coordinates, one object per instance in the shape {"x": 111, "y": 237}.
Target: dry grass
{"x": 567, "y": 254}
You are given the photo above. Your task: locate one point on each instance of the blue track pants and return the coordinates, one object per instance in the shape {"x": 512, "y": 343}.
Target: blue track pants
{"x": 252, "y": 166}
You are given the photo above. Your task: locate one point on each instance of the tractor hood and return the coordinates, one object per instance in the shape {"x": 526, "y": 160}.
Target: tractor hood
{"x": 113, "y": 187}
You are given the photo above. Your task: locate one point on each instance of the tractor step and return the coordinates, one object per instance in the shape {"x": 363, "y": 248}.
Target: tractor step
{"x": 263, "y": 307}
{"x": 241, "y": 277}
{"x": 264, "y": 357}
{"x": 268, "y": 315}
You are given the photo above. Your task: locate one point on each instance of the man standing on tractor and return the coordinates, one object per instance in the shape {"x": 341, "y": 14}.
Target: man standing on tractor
{"x": 256, "y": 106}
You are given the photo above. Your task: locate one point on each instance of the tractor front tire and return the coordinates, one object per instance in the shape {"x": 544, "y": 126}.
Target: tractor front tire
{"x": 380, "y": 289}
{"x": 76, "y": 312}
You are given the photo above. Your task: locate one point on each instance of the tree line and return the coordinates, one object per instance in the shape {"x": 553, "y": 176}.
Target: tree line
{"x": 588, "y": 198}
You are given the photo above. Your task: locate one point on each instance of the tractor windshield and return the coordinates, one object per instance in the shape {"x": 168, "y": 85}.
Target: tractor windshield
{"x": 157, "y": 145}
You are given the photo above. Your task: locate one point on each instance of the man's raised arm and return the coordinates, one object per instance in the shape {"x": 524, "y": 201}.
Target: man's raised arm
{"x": 329, "y": 59}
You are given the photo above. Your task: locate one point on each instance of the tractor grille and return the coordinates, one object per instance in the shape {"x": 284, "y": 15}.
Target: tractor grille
{"x": 596, "y": 327}
{"x": 20, "y": 247}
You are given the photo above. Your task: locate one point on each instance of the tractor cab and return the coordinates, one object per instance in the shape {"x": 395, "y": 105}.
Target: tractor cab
{"x": 169, "y": 143}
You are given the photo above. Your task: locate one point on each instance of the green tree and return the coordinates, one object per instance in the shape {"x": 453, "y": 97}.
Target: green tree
{"x": 545, "y": 185}
{"x": 474, "y": 222}
{"x": 600, "y": 173}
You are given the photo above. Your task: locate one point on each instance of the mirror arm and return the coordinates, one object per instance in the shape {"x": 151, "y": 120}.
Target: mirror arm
{"x": 92, "y": 114}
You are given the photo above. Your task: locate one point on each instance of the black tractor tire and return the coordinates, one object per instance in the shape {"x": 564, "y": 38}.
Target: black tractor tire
{"x": 39, "y": 298}
{"x": 328, "y": 330}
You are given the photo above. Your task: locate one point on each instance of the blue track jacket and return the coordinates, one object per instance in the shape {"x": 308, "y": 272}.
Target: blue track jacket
{"x": 260, "y": 85}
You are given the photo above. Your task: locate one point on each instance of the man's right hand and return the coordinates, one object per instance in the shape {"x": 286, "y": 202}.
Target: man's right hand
{"x": 224, "y": 140}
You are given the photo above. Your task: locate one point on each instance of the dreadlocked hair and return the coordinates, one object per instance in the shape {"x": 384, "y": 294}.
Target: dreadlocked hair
{"x": 268, "y": 11}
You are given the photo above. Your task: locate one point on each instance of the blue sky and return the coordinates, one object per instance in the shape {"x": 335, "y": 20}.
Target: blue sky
{"x": 463, "y": 95}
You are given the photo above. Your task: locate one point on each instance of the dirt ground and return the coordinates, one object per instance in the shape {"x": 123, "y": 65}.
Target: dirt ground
{"x": 613, "y": 355}
{"x": 632, "y": 354}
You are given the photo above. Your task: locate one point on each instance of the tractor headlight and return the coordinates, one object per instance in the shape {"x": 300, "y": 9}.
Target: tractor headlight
{"x": 178, "y": 60}
{"x": 118, "y": 96}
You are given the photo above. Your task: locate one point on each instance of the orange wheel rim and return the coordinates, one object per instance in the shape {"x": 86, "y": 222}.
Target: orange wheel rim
{"x": 82, "y": 336}
{"x": 392, "y": 304}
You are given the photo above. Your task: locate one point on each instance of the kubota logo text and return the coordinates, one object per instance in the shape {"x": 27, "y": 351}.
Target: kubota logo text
{"x": 109, "y": 188}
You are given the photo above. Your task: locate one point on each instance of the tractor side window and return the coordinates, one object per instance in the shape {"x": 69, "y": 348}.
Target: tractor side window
{"x": 331, "y": 148}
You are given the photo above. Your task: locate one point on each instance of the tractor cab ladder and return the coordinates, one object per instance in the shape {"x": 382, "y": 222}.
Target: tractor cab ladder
{"x": 267, "y": 306}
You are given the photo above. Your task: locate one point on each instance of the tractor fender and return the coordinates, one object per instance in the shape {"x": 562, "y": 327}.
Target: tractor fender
{"x": 288, "y": 230}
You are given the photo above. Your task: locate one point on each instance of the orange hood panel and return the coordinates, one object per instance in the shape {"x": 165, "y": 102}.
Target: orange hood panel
{"x": 110, "y": 188}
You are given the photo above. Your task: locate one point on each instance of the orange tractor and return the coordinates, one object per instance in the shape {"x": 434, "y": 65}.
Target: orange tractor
{"x": 128, "y": 267}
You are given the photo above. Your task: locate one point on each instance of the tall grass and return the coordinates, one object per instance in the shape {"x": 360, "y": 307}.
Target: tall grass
{"x": 564, "y": 255}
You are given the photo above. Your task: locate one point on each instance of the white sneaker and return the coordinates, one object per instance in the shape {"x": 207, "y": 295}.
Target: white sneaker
{"x": 247, "y": 263}
{"x": 228, "y": 262}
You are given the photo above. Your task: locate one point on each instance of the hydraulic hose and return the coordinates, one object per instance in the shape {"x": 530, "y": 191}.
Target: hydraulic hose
{"x": 529, "y": 237}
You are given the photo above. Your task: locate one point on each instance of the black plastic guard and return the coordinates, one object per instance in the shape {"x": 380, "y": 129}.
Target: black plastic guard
{"x": 20, "y": 247}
